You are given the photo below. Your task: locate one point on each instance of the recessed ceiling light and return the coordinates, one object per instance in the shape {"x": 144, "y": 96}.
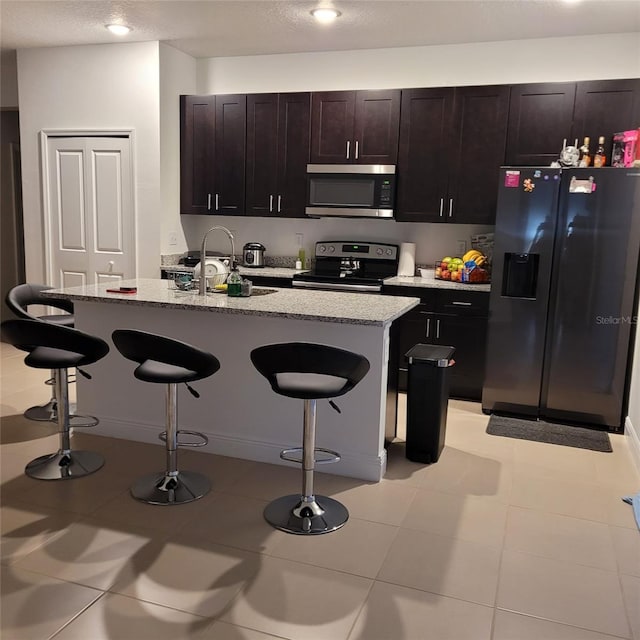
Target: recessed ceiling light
{"x": 118, "y": 29}
{"x": 325, "y": 14}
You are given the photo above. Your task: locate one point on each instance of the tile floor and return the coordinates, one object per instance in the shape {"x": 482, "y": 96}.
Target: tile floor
{"x": 500, "y": 540}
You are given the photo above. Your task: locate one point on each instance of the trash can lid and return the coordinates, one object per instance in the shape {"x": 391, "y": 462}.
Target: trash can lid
{"x": 431, "y": 354}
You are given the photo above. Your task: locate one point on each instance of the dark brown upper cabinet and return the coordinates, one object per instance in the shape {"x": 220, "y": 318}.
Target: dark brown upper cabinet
{"x": 540, "y": 117}
{"x": 212, "y": 161}
{"x": 452, "y": 144}
{"x": 359, "y": 127}
{"x": 278, "y": 140}
{"x": 605, "y": 107}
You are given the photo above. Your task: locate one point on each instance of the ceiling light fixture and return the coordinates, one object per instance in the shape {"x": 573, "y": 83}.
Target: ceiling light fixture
{"x": 118, "y": 29}
{"x": 325, "y": 14}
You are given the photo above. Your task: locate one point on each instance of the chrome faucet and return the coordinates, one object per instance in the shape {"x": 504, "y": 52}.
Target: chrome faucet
{"x": 202, "y": 288}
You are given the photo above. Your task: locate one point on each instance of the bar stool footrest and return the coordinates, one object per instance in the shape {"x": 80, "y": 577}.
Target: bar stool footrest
{"x": 296, "y": 454}
{"x": 185, "y": 443}
{"x": 82, "y": 421}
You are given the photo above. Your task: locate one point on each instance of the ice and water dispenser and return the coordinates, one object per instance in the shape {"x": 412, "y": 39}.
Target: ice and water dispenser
{"x": 520, "y": 275}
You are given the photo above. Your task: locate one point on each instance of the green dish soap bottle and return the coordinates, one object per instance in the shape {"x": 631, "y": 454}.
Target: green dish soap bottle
{"x": 234, "y": 284}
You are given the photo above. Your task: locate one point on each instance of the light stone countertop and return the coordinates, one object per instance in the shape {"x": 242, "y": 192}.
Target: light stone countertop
{"x": 431, "y": 283}
{"x": 302, "y": 304}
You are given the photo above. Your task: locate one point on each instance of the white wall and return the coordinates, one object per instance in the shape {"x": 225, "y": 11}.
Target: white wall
{"x": 543, "y": 60}
{"x": 8, "y": 80}
{"x": 92, "y": 87}
{"x": 177, "y": 76}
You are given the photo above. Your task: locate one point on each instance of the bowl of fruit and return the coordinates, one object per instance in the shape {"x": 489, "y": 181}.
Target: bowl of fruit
{"x": 471, "y": 268}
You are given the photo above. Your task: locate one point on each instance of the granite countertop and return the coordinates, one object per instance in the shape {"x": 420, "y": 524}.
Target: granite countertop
{"x": 247, "y": 272}
{"x": 431, "y": 283}
{"x": 324, "y": 306}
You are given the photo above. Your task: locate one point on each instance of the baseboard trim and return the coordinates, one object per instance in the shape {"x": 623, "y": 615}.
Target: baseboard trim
{"x": 634, "y": 441}
{"x": 354, "y": 466}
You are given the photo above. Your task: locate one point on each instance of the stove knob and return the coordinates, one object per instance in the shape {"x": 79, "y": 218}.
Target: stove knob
{"x": 379, "y": 251}
{"x": 331, "y": 248}
{"x": 322, "y": 248}
{"x": 389, "y": 252}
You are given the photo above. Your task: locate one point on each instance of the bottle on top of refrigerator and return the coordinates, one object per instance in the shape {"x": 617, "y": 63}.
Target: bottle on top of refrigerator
{"x": 599, "y": 159}
{"x": 585, "y": 154}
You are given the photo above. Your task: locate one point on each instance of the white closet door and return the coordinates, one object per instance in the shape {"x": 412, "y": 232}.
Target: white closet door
{"x": 91, "y": 213}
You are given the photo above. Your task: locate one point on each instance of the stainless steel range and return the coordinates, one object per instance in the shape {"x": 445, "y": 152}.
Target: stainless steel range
{"x": 344, "y": 265}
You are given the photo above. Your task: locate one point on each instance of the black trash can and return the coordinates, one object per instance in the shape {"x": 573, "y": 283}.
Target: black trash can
{"x": 427, "y": 400}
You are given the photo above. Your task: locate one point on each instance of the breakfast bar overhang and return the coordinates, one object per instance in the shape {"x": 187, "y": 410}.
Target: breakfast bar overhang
{"x": 237, "y": 410}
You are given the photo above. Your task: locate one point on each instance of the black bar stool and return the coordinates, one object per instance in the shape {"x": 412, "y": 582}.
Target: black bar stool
{"x": 57, "y": 347}
{"x": 167, "y": 361}
{"x": 19, "y": 299}
{"x": 310, "y": 372}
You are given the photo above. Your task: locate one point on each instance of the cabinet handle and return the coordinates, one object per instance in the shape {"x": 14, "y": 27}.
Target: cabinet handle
{"x": 279, "y": 203}
{"x": 270, "y": 203}
{"x": 461, "y": 304}
{"x": 437, "y": 329}
{"x": 208, "y": 202}
{"x": 348, "y": 148}
{"x": 441, "y": 206}
{"x": 450, "y": 207}
{"x": 356, "y": 156}
{"x": 217, "y": 201}
{"x": 426, "y": 335}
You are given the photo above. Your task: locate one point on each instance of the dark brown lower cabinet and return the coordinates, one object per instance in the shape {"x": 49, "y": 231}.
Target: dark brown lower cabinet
{"x": 446, "y": 317}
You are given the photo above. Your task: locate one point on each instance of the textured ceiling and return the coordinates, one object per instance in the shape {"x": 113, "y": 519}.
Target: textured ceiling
{"x": 211, "y": 28}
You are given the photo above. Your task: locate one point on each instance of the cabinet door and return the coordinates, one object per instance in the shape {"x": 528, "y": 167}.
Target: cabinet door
{"x": 540, "y": 117}
{"x": 479, "y": 135}
{"x": 424, "y": 152}
{"x": 294, "y": 117}
{"x": 197, "y": 117}
{"x": 262, "y": 153}
{"x": 332, "y": 118}
{"x": 377, "y": 119}
{"x": 605, "y": 107}
{"x": 468, "y": 336}
{"x": 414, "y": 329}
{"x": 230, "y": 136}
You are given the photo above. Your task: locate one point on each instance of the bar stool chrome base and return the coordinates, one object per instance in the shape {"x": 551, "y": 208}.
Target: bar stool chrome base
{"x": 64, "y": 465}
{"x": 164, "y": 488}
{"x": 293, "y": 514}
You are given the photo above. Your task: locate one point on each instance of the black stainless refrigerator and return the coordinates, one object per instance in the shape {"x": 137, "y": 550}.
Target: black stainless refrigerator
{"x": 563, "y": 295}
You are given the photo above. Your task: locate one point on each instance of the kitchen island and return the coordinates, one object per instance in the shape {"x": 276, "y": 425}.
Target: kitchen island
{"x": 237, "y": 410}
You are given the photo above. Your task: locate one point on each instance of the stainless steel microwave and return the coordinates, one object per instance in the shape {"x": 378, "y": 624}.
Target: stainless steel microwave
{"x": 351, "y": 190}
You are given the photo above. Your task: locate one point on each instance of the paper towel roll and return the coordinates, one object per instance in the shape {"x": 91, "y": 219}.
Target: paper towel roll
{"x": 407, "y": 263}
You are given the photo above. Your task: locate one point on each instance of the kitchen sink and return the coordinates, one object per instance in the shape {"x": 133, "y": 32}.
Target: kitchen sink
{"x": 262, "y": 291}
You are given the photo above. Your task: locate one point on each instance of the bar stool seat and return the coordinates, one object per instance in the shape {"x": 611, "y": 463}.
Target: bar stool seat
{"x": 163, "y": 360}
{"x": 310, "y": 372}
{"x": 56, "y": 347}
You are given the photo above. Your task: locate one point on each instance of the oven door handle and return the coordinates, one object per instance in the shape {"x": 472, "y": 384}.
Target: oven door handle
{"x": 304, "y": 284}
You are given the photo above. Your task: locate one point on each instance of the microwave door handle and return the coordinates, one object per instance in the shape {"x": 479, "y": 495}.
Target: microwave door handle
{"x": 348, "y": 148}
